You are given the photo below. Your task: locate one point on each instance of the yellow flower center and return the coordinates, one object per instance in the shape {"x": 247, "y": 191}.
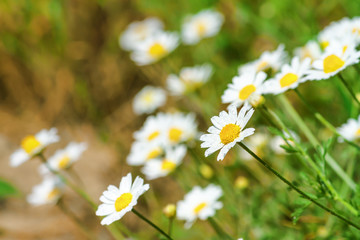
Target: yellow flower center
{"x": 332, "y": 63}
{"x": 357, "y": 133}
{"x": 201, "y": 29}
{"x": 345, "y": 48}
{"x": 168, "y": 165}
{"x": 140, "y": 30}
{"x": 199, "y": 207}
{"x": 154, "y": 153}
{"x": 64, "y": 162}
{"x": 356, "y": 30}
{"x": 153, "y": 135}
{"x": 148, "y": 97}
{"x": 246, "y": 91}
{"x": 30, "y": 143}
{"x": 157, "y": 50}
{"x": 288, "y": 79}
{"x": 175, "y": 134}
{"x": 262, "y": 66}
{"x": 53, "y": 194}
{"x": 324, "y": 44}
{"x": 229, "y": 133}
{"x": 123, "y": 201}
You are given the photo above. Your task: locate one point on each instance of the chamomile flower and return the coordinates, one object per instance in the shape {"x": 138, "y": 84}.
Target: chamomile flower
{"x": 350, "y": 130}
{"x": 180, "y": 127}
{"x": 189, "y": 79}
{"x": 354, "y": 29}
{"x": 228, "y": 129}
{"x": 204, "y": 24}
{"x": 155, "y": 47}
{"x": 32, "y": 145}
{"x": 290, "y": 76}
{"x": 142, "y": 152}
{"x": 161, "y": 167}
{"x": 152, "y": 129}
{"x": 47, "y": 192}
{"x": 311, "y": 50}
{"x": 334, "y": 31}
{"x": 268, "y": 60}
{"x": 138, "y": 31}
{"x": 149, "y": 99}
{"x": 244, "y": 88}
{"x": 199, "y": 203}
{"x": 118, "y": 201}
{"x": 335, "y": 59}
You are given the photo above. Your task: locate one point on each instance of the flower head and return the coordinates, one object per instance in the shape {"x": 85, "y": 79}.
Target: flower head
{"x": 228, "y": 129}
{"x": 142, "y": 152}
{"x": 204, "y": 24}
{"x": 311, "y": 50}
{"x": 350, "y": 130}
{"x": 199, "y": 203}
{"x": 148, "y": 100}
{"x": 48, "y": 192}
{"x": 180, "y": 128}
{"x": 118, "y": 201}
{"x": 32, "y": 145}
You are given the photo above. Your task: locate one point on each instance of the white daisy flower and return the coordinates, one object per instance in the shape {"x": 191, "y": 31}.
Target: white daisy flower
{"x": 154, "y": 48}
{"x": 199, "y": 203}
{"x": 354, "y": 29}
{"x": 311, "y": 50}
{"x": 141, "y": 152}
{"x": 148, "y": 100}
{"x": 244, "y": 88}
{"x": 189, "y": 79}
{"x": 268, "y": 60}
{"x": 47, "y": 192}
{"x": 161, "y": 167}
{"x": 204, "y": 24}
{"x": 33, "y": 145}
{"x": 335, "y": 59}
{"x": 334, "y": 31}
{"x": 350, "y": 130}
{"x": 152, "y": 129}
{"x": 118, "y": 201}
{"x": 228, "y": 129}
{"x": 138, "y": 31}
{"x": 289, "y": 77}
{"x": 180, "y": 128}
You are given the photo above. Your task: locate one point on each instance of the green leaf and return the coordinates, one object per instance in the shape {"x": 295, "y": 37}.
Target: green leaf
{"x": 302, "y": 204}
{"x": 6, "y": 189}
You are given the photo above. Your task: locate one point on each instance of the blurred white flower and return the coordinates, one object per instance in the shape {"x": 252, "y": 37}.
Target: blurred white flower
{"x": 47, "y": 192}
{"x": 33, "y": 145}
{"x": 153, "y": 129}
{"x": 204, "y": 24}
{"x": 311, "y": 50}
{"x": 118, "y": 201}
{"x": 350, "y": 130}
{"x": 199, "y": 203}
{"x": 180, "y": 128}
{"x": 148, "y": 99}
{"x": 142, "y": 152}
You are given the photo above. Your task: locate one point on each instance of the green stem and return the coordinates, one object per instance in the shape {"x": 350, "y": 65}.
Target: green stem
{"x": 349, "y": 89}
{"x": 218, "y": 229}
{"x": 303, "y": 194}
{"x": 171, "y": 220}
{"x": 328, "y": 158}
{"x": 151, "y": 224}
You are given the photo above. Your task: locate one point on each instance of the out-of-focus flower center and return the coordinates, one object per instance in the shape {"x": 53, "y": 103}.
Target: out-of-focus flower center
{"x": 288, "y": 79}
{"x": 175, "y": 134}
{"x": 168, "y": 165}
{"x": 262, "y": 66}
{"x": 357, "y": 133}
{"x": 140, "y": 30}
{"x": 201, "y": 28}
{"x": 64, "y": 162}
{"x": 246, "y": 92}
{"x": 157, "y": 50}
{"x": 356, "y": 30}
{"x": 53, "y": 194}
{"x": 199, "y": 207}
{"x": 345, "y": 48}
{"x": 30, "y": 143}
{"x": 153, "y": 135}
{"x": 148, "y": 97}
{"x": 324, "y": 44}
{"x": 332, "y": 63}
{"x": 229, "y": 133}
{"x": 154, "y": 153}
{"x": 123, "y": 201}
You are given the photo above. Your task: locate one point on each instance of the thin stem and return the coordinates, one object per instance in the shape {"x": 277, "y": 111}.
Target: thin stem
{"x": 219, "y": 231}
{"x": 305, "y": 195}
{"x": 171, "y": 220}
{"x": 151, "y": 223}
{"x": 349, "y": 89}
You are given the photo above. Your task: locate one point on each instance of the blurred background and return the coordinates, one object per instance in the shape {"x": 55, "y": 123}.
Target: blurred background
{"x": 61, "y": 66}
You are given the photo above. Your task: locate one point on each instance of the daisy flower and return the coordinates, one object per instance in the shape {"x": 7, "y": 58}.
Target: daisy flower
{"x": 228, "y": 129}
{"x": 142, "y": 152}
{"x": 152, "y": 129}
{"x": 161, "y": 167}
{"x": 32, "y": 145}
{"x": 335, "y": 59}
{"x": 334, "y": 31}
{"x": 199, "y": 203}
{"x": 290, "y": 76}
{"x": 148, "y": 100}
{"x": 268, "y": 60}
{"x": 180, "y": 127}
{"x": 204, "y": 24}
{"x": 311, "y": 50}
{"x": 244, "y": 88}
{"x": 350, "y": 130}
{"x": 138, "y": 31}
{"x": 118, "y": 201}
{"x": 154, "y": 48}
{"x": 47, "y": 192}
{"x": 189, "y": 79}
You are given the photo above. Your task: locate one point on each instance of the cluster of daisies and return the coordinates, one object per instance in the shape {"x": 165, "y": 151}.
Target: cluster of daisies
{"x": 52, "y": 187}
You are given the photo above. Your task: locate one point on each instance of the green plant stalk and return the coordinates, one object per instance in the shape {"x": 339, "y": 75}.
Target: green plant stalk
{"x": 330, "y": 160}
{"x": 151, "y": 224}
{"x": 349, "y": 89}
{"x": 219, "y": 231}
{"x": 313, "y": 165}
{"x": 303, "y": 194}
